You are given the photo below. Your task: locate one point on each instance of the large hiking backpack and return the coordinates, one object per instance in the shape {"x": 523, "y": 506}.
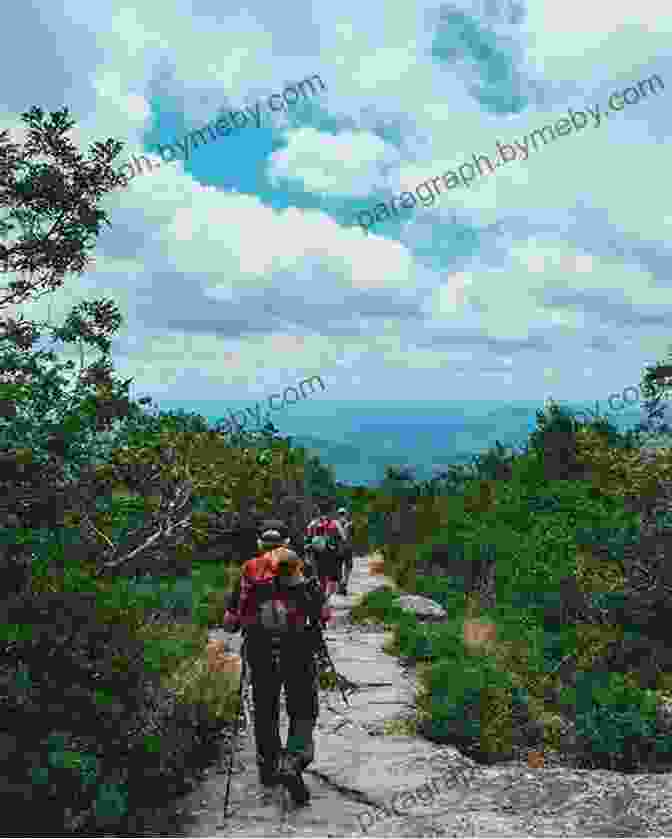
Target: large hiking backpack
{"x": 278, "y": 602}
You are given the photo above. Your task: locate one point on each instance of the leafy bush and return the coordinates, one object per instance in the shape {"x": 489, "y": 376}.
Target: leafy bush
{"x": 611, "y": 541}
{"x": 56, "y": 675}
{"x": 414, "y": 642}
{"x": 471, "y": 706}
{"x": 80, "y": 695}
{"x": 447, "y": 591}
{"x": 621, "y": 473}
{"x": 554, "y": 443}
{"x": 615, "y": 722}
{"x": 380, "y": 606}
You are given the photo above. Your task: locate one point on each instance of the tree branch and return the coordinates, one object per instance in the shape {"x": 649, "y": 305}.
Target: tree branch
{"x": 152, "y": 539}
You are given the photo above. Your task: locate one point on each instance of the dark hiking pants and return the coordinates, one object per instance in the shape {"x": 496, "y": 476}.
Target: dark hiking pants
{"x": 290, "y": 663}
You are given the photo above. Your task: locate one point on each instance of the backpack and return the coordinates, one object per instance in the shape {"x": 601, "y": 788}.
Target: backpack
{"x": 278, "y": 602}
{"x": 323, "y": 536}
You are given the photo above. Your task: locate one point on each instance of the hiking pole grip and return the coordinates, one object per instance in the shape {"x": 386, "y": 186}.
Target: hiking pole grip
{"x": 243, "y": 675}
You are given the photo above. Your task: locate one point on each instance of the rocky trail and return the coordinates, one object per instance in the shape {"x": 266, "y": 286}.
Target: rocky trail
{"x": 366, "y": 783}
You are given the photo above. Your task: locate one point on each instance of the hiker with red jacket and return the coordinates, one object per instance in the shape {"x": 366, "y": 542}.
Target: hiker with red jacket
{"x": 277, "y": 608}
{"x": 325, "y": 542}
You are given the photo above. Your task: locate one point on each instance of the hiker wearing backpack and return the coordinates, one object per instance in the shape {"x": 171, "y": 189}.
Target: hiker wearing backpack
{"x": 325, "y": 541}
{"x": 278, "y": 610}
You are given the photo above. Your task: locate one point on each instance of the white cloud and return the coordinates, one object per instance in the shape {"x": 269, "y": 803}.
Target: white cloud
{"x": 531, "y": 289}
{"x": 570, "y": 39}
{"x": 341, "y": 165}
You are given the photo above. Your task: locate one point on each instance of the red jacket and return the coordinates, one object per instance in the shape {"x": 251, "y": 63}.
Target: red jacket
{"x": 243, "y": 610}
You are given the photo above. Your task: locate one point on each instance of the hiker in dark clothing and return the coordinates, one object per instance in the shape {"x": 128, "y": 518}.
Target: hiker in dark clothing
{"x": 275, "y": 606}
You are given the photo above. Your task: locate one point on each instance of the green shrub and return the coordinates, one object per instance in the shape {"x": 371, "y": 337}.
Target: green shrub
{"x": 470, "y": 705}
{"x": 448, "y": 592}
{"x": 615, "y": 722}
{"x": 81, "y": 696}
{"x": 380, "y": 606}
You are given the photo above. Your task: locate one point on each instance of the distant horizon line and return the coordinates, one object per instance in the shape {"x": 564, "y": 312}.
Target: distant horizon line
{"x": 436, "y": 402}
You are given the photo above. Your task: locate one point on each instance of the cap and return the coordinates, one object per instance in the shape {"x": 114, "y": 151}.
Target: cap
{"x": 272, "y": 538}
{"x": 276, "y": 525}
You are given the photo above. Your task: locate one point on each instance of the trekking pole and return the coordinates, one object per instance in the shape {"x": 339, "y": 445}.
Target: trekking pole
{"x": 243, "y": 676}
{"x": 323, "y": 653}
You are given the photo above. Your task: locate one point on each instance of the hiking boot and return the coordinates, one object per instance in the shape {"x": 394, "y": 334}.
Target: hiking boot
{"x": 290, "y": 778}
{"x": 295, "y": 786}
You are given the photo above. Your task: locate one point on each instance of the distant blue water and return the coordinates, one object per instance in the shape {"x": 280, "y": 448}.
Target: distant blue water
{"x": 360, "y": 438}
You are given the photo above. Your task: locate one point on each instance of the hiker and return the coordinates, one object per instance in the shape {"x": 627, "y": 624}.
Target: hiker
{"x": 278, "y": 608}
{"x": 347, "y": 551}
{"x": 290, "y": 540}
{"x": 325, "y": 541}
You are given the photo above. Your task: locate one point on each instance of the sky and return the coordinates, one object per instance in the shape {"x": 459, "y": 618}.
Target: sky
{"x": 252, "y": 264}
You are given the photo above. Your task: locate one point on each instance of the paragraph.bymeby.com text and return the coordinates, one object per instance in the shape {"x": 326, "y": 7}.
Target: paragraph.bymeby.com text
{"x": 507, "y": 152}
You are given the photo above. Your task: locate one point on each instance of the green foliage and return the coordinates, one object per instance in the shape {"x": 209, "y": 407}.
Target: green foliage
{"x": 52, "y": 404}
{"x": 613, "y": 718}
{"x": 380, "y": 606}
{"x": 448, "y": 591}
{"x": 495, "y": 464}
{"x": 656, "y": 384}
{"x": 49, "y": 179}
{"x": 471, "y": 704}
{"x": 552, "y": 421}
{"x": 165, "y": 655}
{"x": 543, "y": 530}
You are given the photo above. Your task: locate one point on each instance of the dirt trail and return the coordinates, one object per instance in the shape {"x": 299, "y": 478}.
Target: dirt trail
{"x": 364, "y": 783}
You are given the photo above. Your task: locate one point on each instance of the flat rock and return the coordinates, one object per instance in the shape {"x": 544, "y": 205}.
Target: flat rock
{"x": 423, "y": 608}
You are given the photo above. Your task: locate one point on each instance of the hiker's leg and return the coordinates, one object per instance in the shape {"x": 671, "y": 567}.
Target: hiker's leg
{"x": 299, "y": 674}
{"x": 266, "y": 683}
